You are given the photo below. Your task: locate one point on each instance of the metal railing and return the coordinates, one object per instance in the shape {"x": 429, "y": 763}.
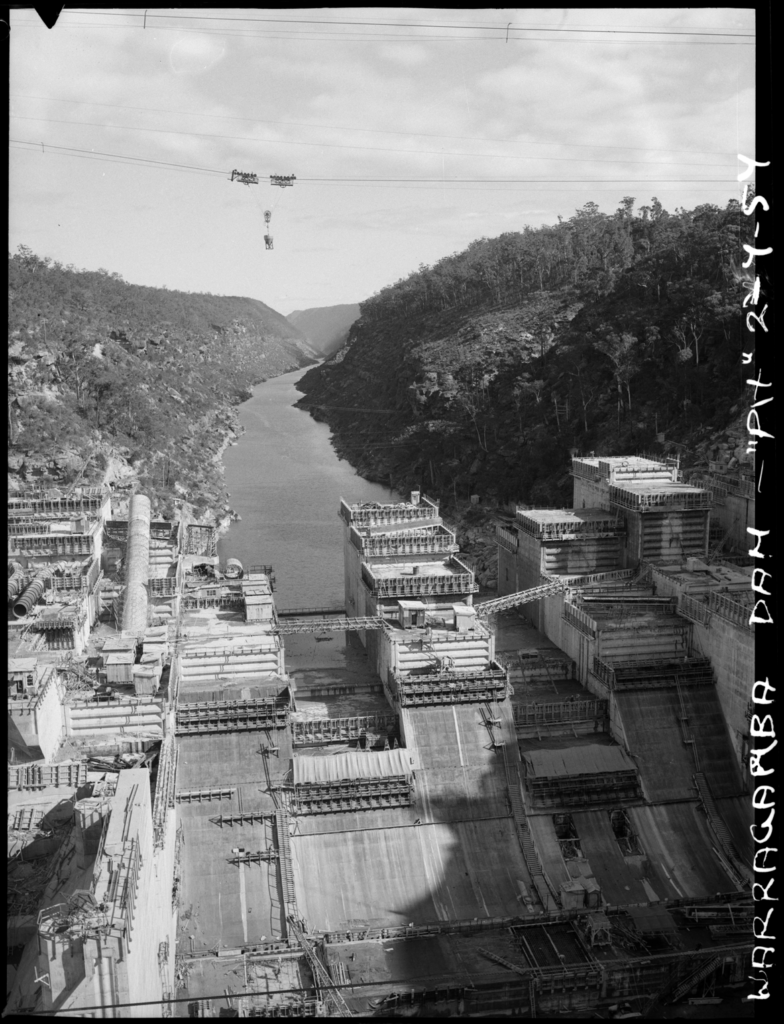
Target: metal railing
{"x": 382, "y": 544}
{"x": 577, "y": 618}
{"x": 507, "y": 538}
{"x": 696, "y": 499}
{"x": 695, "y": 609}
{"x": 598, "y": 577}
{"x": 572, "y": 526}
{"x": 559, "y": 711}
{"x": 371, "y": 513}
{"x": 729, "y": 610}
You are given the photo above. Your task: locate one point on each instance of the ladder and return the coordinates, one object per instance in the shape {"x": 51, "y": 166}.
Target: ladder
{"x": 541, "y": 883}
{"x": 543, "y": 660}
{"x": 284, "y": 849}
{"x": 322, "y": 979}
{"x": 504, "y": 963}
{"x": 499, "y": 604}
{"x": 702, "y": 971}
{"x": 719, "y": 829}
{"x": 686, "y": 731}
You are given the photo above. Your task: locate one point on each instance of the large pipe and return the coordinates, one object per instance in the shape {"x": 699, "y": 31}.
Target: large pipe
{"x": 137, "y": 562}
{"x": 31, "y": 595}
{"x": 15, "y": 580}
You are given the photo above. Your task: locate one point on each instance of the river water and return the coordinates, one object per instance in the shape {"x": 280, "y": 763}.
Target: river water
{"x": 286, "y": 481}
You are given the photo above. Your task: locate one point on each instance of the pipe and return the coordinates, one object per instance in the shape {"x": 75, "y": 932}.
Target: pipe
{"x": 137, "y": 561}
{"x": 31, "y": 595}
{"x": 130, "y": 722}
{"x": 15, "y": 580}
{"x": 81, "y": 714}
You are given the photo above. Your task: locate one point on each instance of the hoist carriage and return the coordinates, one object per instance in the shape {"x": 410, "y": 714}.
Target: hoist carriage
{"x": 251, "y": 178}
{"x": 244, "y": 177}
{"x": 283, "y": 180}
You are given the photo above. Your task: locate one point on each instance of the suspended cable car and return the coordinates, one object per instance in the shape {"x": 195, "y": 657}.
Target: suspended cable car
{"x": 283, "y": 180}
{"x": 244, "y": 177}
{"x": 268, "y": 242}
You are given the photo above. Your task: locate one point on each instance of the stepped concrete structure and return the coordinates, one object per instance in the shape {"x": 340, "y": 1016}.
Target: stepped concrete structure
{"x": 556, "y": 826}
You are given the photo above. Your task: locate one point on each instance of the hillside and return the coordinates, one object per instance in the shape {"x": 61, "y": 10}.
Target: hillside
{"x": 478, "y": 375}
{"x": 325, "y": 327}
{"x": 133, "y": 385}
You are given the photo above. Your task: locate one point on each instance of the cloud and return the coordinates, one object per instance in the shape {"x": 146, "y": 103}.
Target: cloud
{"x": 194, "y": 54}
{"x": 407, "y": 54}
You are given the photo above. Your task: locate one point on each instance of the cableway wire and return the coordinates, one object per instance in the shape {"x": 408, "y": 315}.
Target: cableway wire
{"x": 660, "y": 957}
{"x": 500, "y": 28}
{"x": 370, "y": 149}
{"x": 435, "y": 182}
{"x": 366, "y": 37}
{"x": 158, "y": 164}
{"x": 373, "y": 131}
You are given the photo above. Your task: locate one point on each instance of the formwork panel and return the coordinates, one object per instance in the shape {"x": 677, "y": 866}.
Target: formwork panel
{"x": 223, "y": 903}
{"x": 619, "y": 880}
{"x": 454, "y": 794}
{"x": 737, "y": 814}
{"x": 651, "y": 722}
{"x": 448, "y": 737}
{"x": 232, "y": 759}
{"x": 394, "y": 876}
{"x": 546, "y": 842}
{"x": 677, "y": 840}
{"x": 714, "y": 749}
{"x": 347, "y": 821}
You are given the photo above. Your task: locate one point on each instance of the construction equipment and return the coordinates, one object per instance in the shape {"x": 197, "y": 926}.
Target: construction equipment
{"x": 333, "y": 1000}
{"x": 500, "y": 604}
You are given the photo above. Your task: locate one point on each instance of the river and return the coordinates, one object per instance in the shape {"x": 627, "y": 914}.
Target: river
{"x": 286, "y": 481}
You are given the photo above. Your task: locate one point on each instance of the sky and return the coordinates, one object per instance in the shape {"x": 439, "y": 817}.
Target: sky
{"x": 411, "y": 132}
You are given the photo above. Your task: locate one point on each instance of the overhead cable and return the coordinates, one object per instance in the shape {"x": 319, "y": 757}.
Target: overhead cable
{"x": 370, "y": 149}
{"x": 431, "y": 181}
{"x": 374, "y": 131}
{"x": 501, "y": 28}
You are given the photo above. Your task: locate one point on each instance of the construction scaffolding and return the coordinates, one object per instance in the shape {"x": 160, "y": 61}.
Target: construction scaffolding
{"x": 233, "y": 715}
{"x": 654, "y": 675}
{"x": 473, "y": 687}
{"x": 282, "y": 838}
{"x": 560, "y": 711}
{"x": 660, "y": 495}
{"x": 340, "y": 730}
{"x": 580, "y": 777}
{"x": 569, "y": 524}
{"x": 500, "y": 604}
{"x": 430, "y": 540}
{"x": 38, "y": 502}
{"x": 40, "y": 776}
{"x": 374, "y": 514}
{"x": 350, "y": 795}
{"x": 454, "y": 578}
{"x": 333, "y": 624}
{"x": 334, "y": 1003}
{"x": 200, "y": 540}
{"x": 165, "y": 783}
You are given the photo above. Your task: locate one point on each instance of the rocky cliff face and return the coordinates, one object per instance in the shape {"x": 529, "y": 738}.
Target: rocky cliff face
{"x": 479, "y": 376}
{"x": 436, "y": 402}
{"x": 135, "y": 386}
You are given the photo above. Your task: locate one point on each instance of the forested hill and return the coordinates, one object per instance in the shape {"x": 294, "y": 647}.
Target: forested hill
{"x": 325, "y": 327}
{"x": 601, "y": 332}
{"x": 136, "y": 385}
